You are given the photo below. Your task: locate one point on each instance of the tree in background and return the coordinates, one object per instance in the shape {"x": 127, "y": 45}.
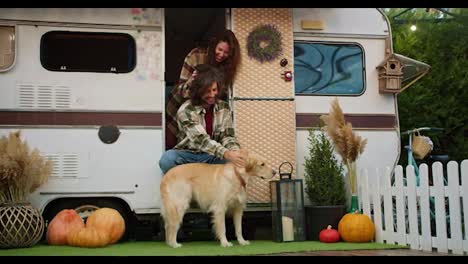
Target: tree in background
{"x": 439, "y": 99}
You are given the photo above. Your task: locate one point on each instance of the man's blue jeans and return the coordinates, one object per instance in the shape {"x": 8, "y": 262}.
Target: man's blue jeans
{"x": 173, "y": 157}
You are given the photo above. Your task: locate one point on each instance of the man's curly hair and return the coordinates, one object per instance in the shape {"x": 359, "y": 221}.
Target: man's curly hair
{"x": 206, "y": 76}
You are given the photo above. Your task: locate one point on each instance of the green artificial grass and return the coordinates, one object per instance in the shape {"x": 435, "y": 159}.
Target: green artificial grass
{"x": 192, "y": 248}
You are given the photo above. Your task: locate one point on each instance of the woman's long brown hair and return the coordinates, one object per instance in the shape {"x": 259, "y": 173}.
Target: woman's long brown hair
{"x": 228, "y": 66}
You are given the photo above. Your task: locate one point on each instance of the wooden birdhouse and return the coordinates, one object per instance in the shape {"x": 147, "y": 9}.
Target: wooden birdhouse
{"x": 390, "y": 75}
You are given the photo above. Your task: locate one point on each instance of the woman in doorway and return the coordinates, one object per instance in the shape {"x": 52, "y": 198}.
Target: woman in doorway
{"x": 223, "y": 52}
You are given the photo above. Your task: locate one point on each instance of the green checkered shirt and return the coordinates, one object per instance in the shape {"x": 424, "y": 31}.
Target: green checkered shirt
{"x": 192, "y": 135}
{"x": 181, "y": 91}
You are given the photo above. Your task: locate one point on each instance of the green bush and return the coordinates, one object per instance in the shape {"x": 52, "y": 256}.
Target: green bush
{"x": 323, "y": 173}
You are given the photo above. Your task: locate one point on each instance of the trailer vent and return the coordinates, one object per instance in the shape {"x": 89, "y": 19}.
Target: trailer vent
{"x": 64, "y": 165}
{"x": 26, "y": 96}
{"x": 62, "y": 97}
{"x": 55, "y": 158}
{"x": 70, "y": 165}
{"x": 33, "y": 96}
{"x": 44, "y": 97}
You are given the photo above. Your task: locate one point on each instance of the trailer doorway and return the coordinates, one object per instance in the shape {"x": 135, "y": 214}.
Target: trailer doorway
{"x": 185, "y": 29}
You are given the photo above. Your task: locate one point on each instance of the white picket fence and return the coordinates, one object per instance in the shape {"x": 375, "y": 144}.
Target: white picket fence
{"x": 410, "y": 207}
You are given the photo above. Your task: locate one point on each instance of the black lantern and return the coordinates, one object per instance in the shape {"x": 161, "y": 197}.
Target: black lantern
{"x": 287, "y": 198}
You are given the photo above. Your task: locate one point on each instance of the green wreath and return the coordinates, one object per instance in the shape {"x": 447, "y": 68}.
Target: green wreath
{"x": 264, "y": 43}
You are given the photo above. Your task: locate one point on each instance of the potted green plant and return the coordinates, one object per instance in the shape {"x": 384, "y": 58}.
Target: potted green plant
{"x": 324, "y": 185}
{"x": 21, "y": 172}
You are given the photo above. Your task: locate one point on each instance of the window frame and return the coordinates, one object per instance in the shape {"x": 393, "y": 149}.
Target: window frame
{"x": 364, "y": 75}
{"x": 15, "y": 46}
{"x": 131, "y": 39}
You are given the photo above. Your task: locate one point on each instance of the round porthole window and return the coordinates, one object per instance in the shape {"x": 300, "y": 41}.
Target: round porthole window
{"x": 109, "y": 134}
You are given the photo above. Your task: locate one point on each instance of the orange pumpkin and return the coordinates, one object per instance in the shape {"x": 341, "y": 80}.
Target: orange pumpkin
{"x": 61, "y": 225}
{"x": 88, "y": 237}
{"x": 108, "y": 220}
{"x": 356, "y": 227}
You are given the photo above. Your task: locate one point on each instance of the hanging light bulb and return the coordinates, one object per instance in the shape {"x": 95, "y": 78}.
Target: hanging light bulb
{"x": 413, "y": 27}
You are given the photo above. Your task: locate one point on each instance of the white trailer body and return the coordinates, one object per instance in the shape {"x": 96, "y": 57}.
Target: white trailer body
{"x": 61, "y": 111}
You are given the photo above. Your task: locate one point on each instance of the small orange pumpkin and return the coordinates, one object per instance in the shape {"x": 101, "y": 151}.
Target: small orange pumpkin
{"x": 356, "y": 227}
{"x": 108, "y": 220}
{"x": 61, "y": 225}
{"x": 88, "y": 237}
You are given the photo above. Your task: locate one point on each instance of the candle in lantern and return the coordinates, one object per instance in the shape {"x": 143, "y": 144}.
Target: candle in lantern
{"x": 288, "y": 229}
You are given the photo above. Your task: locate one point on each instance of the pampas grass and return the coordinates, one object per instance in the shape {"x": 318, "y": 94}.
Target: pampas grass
{"x": 347, "y": 144}
{"x": 21, "y": 171}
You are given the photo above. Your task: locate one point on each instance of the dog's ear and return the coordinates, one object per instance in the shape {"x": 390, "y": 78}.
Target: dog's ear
{"x": 250, "y": 164}
{"x": 244, "y": 153}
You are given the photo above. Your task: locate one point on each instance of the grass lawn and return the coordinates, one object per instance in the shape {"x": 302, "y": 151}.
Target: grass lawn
{"x": 192, "y": 248}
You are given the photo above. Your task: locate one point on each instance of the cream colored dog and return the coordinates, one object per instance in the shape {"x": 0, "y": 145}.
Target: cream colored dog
{"x": 218, "y": 189}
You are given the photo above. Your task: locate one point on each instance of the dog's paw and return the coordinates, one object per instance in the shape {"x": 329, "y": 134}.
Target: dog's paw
{"x": 226, "y": 244}
{"x": 243, "y": 242}
{"x": 174, "y": 245}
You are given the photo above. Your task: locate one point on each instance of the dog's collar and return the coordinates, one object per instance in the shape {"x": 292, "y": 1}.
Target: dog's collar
{"x": 242, "y": 182}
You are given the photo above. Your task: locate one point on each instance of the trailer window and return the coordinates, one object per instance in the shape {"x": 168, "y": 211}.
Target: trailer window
{"x": 328, "y": 68}
{"x": 7, "y": 47}
{"x": 88, "y": 52}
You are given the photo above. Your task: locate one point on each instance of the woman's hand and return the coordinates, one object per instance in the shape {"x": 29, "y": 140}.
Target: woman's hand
{"x": 193, "y": 77}
{"x": 235, "y": 157}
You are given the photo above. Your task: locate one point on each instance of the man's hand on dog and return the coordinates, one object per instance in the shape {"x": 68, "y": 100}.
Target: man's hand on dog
{"x": 235, "y": 157}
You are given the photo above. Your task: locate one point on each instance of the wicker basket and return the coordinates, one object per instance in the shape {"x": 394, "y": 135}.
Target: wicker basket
{"x": 21, "y": 225}
{"x": 420, "y": 146}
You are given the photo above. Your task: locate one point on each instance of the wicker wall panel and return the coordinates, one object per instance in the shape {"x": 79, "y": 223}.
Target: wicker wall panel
{"x": 256, "y": 79}
{"x": 266, "y": 128}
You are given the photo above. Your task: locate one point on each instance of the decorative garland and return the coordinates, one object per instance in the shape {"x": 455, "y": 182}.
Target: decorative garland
{"x": 264, "y": 43}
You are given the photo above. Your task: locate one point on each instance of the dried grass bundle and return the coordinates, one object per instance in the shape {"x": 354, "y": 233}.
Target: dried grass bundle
{"x": 21, "y": 171}
{"x": 348, "y": 145}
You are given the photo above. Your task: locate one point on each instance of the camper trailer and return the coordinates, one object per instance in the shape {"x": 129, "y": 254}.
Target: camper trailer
{"x": 88, "y": 88}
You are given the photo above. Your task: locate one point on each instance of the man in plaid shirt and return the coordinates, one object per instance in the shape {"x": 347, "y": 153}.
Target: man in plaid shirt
{"x": 205, "y": 127}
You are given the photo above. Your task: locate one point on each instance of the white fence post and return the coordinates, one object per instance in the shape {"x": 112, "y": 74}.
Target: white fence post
{"x": 440, "y": 213}
{"x": 400, "y": 205}
{"x": 426, "y": 236}
{"x": 456, "y": 244}
{"x": 464, "y": 194}
{"x": 376, "y": 201}
{"x": 413, "y": 236}
{"x": 365, "y": 193}
{"x": 388, "y": 206}
{"x": 415, "y": 206}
